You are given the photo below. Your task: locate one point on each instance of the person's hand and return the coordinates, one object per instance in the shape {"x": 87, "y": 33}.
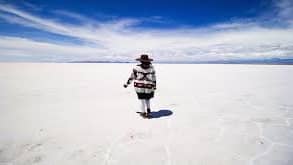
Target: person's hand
{"x": 125, "y": 85}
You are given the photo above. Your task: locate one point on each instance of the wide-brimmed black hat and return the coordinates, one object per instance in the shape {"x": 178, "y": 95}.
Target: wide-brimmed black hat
{"x": 144, "y": 58}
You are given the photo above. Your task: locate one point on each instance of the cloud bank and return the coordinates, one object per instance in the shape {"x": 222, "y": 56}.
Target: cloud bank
{"x": 124, "y": 39}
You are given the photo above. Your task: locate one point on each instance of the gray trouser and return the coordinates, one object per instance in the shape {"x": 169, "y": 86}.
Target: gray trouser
{"x": 145, "y": 105}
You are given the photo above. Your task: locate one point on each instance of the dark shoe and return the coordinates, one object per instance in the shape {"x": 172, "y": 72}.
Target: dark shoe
{"x": 148, "y": 115}
{"x": 143, "y": 114}
{"x": 148, "y": 110}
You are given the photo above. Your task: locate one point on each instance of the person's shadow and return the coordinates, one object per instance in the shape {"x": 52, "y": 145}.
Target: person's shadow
{"x": 161, "y": 113}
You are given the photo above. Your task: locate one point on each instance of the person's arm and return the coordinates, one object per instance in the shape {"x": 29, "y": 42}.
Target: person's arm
{"x": 131, "y": 78}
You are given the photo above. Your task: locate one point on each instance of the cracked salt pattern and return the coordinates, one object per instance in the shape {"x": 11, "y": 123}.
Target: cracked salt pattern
{"x": 79, "y": 114}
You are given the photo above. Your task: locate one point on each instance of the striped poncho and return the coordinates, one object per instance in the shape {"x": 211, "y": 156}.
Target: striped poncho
{"x": 144, "y": 79}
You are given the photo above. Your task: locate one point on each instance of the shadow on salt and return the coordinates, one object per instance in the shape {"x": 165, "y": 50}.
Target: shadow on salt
{"x": 161, "y": 113}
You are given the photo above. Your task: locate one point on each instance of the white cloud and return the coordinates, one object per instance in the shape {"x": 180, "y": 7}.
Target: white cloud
{"x": 124, "y": 39}
{"x": 21, "y": 47}
{"x": 285, "y": 9}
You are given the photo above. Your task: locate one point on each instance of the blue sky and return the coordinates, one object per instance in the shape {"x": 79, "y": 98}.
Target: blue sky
{"x": 168, "y": 30}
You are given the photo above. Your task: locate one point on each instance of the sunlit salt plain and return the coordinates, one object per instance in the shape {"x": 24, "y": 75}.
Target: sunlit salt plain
{"x": 80, "y": 114}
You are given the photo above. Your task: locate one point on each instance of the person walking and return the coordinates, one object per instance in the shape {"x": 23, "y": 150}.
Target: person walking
{"x": 144, "y": 78}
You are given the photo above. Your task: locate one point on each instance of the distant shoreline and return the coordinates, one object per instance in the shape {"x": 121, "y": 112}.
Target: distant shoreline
{"x": 273, "y": 61}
